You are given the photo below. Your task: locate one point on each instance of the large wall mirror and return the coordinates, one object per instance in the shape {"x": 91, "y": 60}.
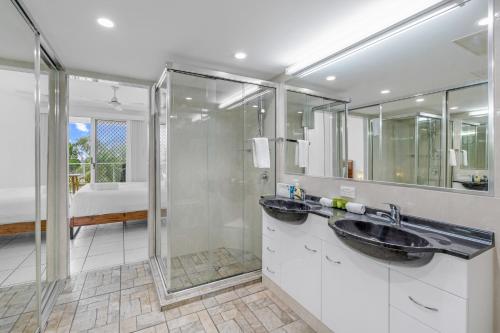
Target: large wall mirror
{"x": 315, "y": 134}
{"x": 419, "y": 111}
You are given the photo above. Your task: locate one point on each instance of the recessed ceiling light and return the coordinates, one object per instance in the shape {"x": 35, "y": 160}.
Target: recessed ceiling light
{"x": 385, "y": 91}
{"x": 299, "y": 112}
{"x": 330, "y": 78}
{"x": 105, "y": 22}
{"x": 454, "y": 108}
{"x": 419, "y": 100}
{"x": 240, "y": 55}
{"x": 262, "y": 111}
{"x": 189, "y": 98}
{"x": 482, "y": 22}
{"x": 255, "y": 106}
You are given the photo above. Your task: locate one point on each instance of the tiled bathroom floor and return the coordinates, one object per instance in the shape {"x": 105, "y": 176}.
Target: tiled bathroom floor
{"x": 17, "y": 305}
{"x": 123, "y": 299}
{"x": 207, "y": 266}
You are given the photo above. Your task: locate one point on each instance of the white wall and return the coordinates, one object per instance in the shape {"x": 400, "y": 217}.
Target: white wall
{"x": 17, "y": 140}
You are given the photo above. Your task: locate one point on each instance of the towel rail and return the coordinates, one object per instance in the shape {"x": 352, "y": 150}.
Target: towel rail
{"x": 271, "y": 139}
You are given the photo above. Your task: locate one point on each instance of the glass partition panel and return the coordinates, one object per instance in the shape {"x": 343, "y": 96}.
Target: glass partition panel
{"x": 213, "y": 230}
{"x": 18, "y": 280}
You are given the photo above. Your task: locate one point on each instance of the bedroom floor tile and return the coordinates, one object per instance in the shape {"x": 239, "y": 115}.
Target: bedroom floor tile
{"x": 105, "y": 247}
{"x": 108, "y": 245}
{"x": 76, "y": 265}
{"x": 136, "y": 255}
{"x": 21, "y": 275}
{"x": 103, "y": 260}
{"x": 4, "y": 274}
{"x": 135, "y": 243}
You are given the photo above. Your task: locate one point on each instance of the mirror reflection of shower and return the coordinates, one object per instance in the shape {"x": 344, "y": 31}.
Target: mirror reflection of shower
{"x": 406, "y": 141}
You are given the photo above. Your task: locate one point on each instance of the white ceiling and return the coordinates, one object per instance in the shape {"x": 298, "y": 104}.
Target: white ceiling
{"x": 274, "y": 34}
{"x": 21, "y": 47}
{"x": 422, "y": 59}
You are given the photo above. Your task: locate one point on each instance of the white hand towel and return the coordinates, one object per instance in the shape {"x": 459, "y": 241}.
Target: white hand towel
{"x": 261, "y": 154}
{"x": 453, "y": 158}
{"x": 465, "y": 160}
{"x": 302, "y": 153}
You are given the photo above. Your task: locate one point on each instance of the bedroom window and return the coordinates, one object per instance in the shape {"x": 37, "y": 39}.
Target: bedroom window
{"x": 110, "y": 151}
{"x": 79, "y": 153}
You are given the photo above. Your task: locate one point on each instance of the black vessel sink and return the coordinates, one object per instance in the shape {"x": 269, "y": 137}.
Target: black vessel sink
{"x": 383, "y": 241}
{"x": 287, "y": 210}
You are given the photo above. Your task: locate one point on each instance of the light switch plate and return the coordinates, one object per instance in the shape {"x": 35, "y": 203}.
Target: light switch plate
{"x": 348, "y": 191}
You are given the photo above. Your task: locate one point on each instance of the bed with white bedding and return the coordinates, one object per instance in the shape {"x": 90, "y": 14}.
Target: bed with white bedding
{"x": 17, "y": 209}
{"x": 106, "y": 198}
{"x": 99, "y": 203}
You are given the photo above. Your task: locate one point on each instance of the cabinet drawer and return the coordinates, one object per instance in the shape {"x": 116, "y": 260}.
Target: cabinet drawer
{"x": 402, "y": 323}
{"x": 271, "y": 270}
{"x": 270, "y": 248}
{"x": 433, "y": 307}
{"x": 443, "y": 271}
{"x": 269, "y": 227}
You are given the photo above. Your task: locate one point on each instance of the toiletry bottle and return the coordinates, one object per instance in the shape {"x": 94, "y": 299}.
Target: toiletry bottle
{"x": 297, "y": 192}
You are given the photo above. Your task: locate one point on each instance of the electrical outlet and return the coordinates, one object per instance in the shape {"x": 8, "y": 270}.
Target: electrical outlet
{"x": 348, "y": 191}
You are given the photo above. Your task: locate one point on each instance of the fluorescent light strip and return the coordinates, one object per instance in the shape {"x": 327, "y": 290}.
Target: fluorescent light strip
{"x": 297, "y": 68}
{"x": 478, "y": 113}
{"x": 249, "y": 99}
{"x": 238, "y": 97}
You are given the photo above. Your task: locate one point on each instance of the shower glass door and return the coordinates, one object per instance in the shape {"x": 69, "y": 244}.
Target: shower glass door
{"x": 212, "y": 229}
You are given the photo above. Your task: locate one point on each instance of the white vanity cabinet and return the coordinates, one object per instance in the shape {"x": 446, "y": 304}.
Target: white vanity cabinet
{"x": 291, "y": 258}
{"x": 349, "y": 292}
{"x": 355, "y": 292}
{"x": 448, "y": 295}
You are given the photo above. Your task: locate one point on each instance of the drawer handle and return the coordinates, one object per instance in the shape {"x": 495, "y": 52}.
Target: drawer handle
{"x": 309, "y": 249}
{"x": 271, "y": 229}
{"x": 270, "y": 271}
{"x": 334, "y": 261}
{"x": 421, "y": 305}
{"x": 270, "y": 250}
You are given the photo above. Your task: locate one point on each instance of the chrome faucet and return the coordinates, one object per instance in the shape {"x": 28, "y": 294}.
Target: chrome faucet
{"x": 395, "y": 216}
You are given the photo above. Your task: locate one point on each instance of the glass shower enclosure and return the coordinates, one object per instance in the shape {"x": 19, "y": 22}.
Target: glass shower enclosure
{"x": 208, "y": 222}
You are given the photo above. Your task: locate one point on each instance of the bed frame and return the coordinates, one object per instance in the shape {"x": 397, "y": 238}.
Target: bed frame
{"x": 82, "y": 221}
{"x": 16, "y": 228}
{"x": 76, "y": 222}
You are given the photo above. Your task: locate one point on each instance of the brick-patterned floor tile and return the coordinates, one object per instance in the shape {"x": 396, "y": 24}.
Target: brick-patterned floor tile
{"x": 124, "y": 300}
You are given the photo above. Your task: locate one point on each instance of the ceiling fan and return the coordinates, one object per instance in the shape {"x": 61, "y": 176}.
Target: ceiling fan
{"x": 113, "y": 102}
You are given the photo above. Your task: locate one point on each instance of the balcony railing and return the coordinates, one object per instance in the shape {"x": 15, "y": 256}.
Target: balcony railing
{"x": 79, "y": 173}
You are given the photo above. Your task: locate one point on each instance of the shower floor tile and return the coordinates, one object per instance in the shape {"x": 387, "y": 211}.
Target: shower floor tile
{"x": 131, "y": 305}
{"x": 199, "y": 268}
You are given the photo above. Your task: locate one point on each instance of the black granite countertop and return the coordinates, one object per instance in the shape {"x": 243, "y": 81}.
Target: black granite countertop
{"x": 456, "y": 240}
